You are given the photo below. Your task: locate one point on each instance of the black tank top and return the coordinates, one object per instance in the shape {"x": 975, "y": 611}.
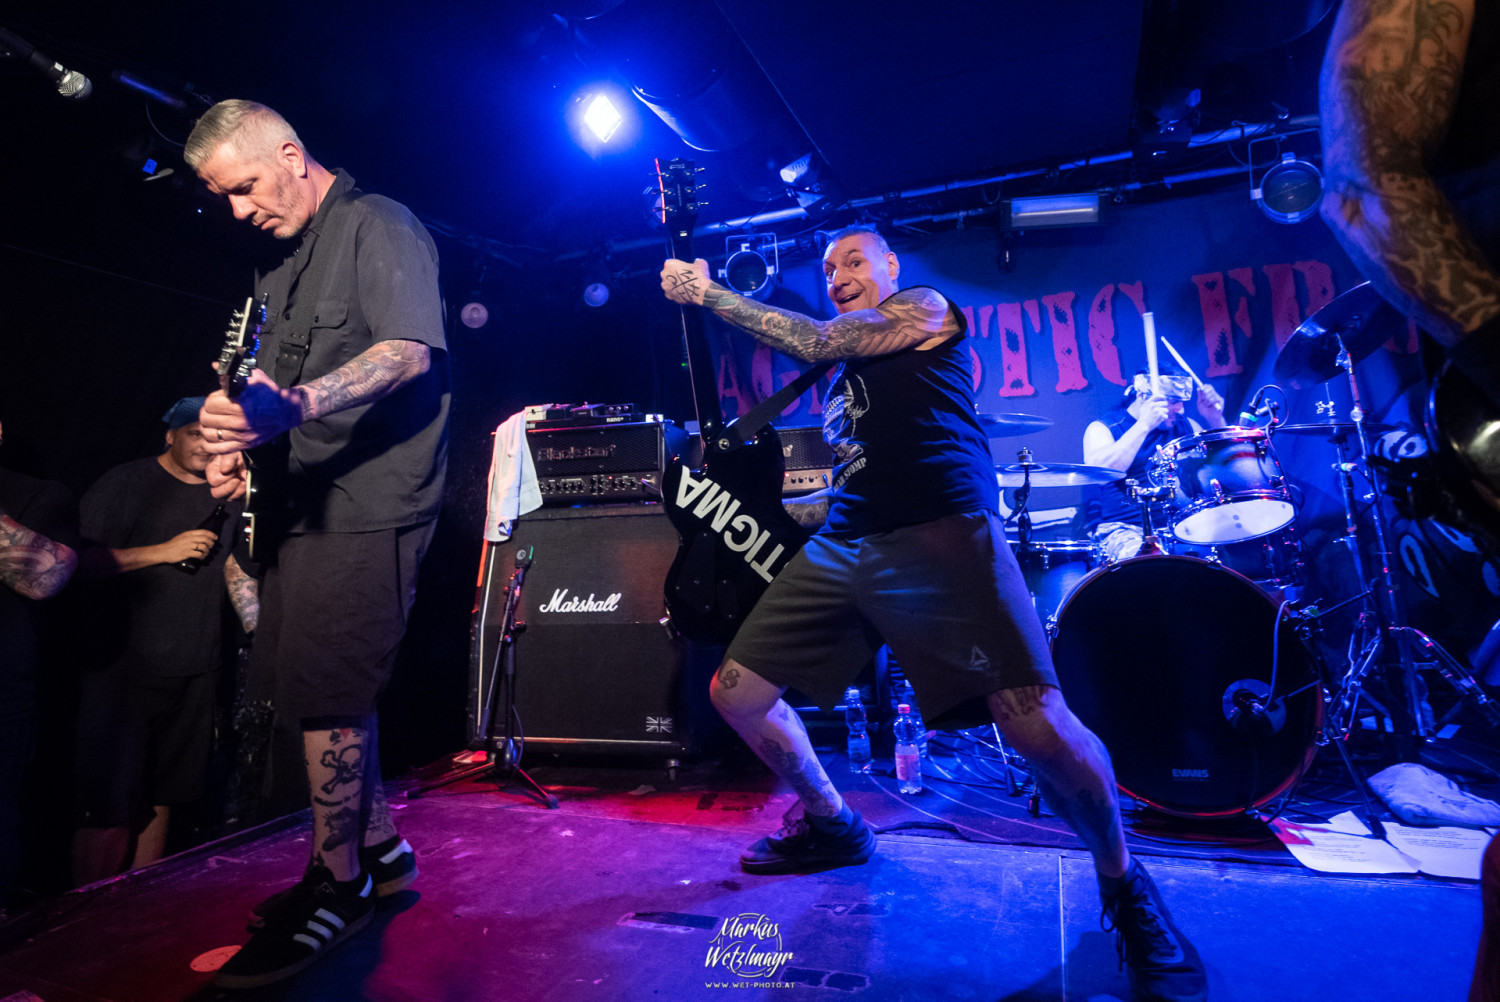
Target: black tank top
{"x": 1114, "y": 501}
{"x": 907, "y": 445}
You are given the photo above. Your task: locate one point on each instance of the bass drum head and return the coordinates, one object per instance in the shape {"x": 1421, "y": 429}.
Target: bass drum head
{"x": 1156, "y": 654}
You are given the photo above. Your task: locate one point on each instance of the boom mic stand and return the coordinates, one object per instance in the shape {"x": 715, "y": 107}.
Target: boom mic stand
{"x": 507, "y": 769}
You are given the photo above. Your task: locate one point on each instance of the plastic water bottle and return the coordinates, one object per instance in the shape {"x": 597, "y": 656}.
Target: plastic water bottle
{"x": 908, "y": 759}
{"x": 908, "y": 696}
{"x": 859, "y": 732}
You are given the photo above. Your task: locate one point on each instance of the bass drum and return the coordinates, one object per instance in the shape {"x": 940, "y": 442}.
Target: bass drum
{"x": 1169, "y": 661}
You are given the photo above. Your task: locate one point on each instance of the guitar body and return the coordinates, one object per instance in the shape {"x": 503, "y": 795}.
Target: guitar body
{"x": 1462, "y": 429}
{"x": 735, "y": 536}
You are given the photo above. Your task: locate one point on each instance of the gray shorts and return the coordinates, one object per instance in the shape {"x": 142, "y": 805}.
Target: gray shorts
{"x": 947, "y": 596}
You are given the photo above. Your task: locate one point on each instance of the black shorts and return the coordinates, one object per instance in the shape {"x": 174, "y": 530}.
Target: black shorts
{"x": 143, "y": 740}
{"x": 333, "y": 610}
{"x": 947, "y": 596}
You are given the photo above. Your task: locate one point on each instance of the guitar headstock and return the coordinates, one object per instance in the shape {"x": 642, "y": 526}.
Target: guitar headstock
{"x": 241, "y": 342}
{"x": 678, "y": 184}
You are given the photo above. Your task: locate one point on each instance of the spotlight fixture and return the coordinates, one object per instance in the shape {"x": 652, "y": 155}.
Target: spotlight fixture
{"x": 751, "y": 261}
{"x": 1054, "y": 210}
{"x": 602, "y": 117}
{"x": 799, "y": 169}
{"x": 1290, "y": 191}
{"x": 474, "y": 315}
{"x": 596, "y": 282}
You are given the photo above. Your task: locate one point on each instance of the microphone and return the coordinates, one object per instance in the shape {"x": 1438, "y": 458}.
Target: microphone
{"x": 70, "y": 83}
{"x": 1257, "y": 409}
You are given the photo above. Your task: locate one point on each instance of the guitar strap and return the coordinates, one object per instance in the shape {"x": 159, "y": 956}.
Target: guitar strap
{"x": 742, "y": 429}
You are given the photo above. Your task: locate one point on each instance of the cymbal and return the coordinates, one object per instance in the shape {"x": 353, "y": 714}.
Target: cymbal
{"x": 1358, "y": 317}
{"x": 1055, "y": 475}
{"x": 1332, "y": 429}
{"x": 1008, "y": 425}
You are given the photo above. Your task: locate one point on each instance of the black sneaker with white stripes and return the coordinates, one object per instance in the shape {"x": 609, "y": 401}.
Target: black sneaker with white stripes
{"x": 304, "y": 926}
{"x": 392, "y": 864}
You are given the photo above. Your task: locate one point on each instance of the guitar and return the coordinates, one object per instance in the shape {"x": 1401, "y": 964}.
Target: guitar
{"x": 1460, "y": 424}
{"x": 734, "y": 535}
{"x": 236, "y": 363}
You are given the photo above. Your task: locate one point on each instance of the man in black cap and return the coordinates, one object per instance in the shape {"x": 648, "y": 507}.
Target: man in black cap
{"x": 146, "y": 719}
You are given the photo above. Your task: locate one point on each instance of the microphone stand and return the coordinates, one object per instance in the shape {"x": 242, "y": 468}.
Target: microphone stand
{"x": 507, "y": 769}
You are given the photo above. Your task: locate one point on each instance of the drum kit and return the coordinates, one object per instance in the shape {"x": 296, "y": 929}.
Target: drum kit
{"x": 1196, "y": 661}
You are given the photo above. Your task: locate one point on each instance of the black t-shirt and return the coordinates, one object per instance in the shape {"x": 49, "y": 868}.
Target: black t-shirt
{"x": 1114, "y": 499}
{"x": 907, "y": 443}
{"x": 364, "y": 272}
{"x": 47, "y": 508}
{"x": 174, "y": 619}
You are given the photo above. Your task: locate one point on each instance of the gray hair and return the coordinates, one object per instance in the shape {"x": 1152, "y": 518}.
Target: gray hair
{"x": 854, "y": 231}
{"x": 253, "y": 131}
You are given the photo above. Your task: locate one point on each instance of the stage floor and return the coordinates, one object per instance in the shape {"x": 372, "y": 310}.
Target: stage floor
{"x": 617, "y": 896}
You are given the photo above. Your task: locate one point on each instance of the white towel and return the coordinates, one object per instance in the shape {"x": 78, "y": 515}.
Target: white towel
{"x": 513, "y": 487}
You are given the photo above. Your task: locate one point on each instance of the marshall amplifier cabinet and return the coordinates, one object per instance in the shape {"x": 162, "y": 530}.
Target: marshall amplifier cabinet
{"x": 600, "y": 464}
{"x": 596, "y": 671}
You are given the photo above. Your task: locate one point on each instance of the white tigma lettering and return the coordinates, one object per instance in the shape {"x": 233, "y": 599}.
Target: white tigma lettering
{"x": 717, "y": 505}
{"x": 741, "y": 533}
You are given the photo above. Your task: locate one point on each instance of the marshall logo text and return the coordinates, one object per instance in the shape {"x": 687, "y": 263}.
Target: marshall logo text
{"x": 561, "y": 603}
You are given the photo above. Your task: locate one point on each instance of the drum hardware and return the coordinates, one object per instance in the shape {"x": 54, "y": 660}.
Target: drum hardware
{"x": 1055, "y": 475}
{"x": 1326, "y": 344}
{"x": 1147, "y": 495}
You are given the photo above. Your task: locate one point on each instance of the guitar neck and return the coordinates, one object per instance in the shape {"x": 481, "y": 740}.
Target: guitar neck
{"x": 680, "y": 214}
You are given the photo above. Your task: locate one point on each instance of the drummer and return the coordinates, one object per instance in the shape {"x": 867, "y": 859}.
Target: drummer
{"x": 1127, "y": 439}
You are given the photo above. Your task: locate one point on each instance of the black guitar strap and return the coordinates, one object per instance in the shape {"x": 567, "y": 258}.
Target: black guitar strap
{"x": 742, "y": 429}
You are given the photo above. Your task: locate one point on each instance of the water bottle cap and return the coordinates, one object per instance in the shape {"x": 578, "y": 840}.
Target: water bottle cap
{"x": 903, "y": 708}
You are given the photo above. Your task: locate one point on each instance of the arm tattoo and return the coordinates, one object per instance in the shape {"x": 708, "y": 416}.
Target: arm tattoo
{"x": 906, "y": 319}
{"x": 729, "y": 676}
{"x": 375, "y": 373}
{"x": 1387, "y": 92}
{"x": 30, "y": 563}
{"x": 244, "y": 594}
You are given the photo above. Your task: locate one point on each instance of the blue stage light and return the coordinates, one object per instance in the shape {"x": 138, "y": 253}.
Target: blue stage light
{"x": 602, "y": 118}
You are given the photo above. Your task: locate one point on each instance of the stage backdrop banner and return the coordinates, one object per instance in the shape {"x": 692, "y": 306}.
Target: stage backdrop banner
{"x": 1061, "y": 334}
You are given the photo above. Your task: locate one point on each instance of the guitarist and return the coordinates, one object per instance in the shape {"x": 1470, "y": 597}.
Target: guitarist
{"x": 913, "y": 554}
{"x": 353, "y": 385}
{"x": 1409, "y": 98}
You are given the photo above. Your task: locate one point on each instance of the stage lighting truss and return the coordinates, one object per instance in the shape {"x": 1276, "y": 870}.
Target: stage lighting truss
{"x": 751, "y": 262}
{"x": 1290, "y": 190}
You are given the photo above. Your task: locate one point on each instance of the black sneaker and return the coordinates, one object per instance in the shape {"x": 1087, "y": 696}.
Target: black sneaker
{"x": 803, "y": 846}
{"x": 310, "y": 921}
{"x": 1162, "y": 964}
{"x": 392, "y": 864}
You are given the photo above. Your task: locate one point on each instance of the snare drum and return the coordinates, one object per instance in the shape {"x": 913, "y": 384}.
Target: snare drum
{"x": 1229, "y": 486}
{"x": 1053, "y": 569}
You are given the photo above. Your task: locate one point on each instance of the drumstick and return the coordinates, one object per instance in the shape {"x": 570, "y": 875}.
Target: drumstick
{"x": 1182, "y": 362}
{"x": 1150, "y": 324}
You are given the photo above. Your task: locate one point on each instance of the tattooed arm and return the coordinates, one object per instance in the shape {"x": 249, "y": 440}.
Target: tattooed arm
{"x": 30, "y": 563}
{"x": 1386, "y": 96}
{"x": 265, "y": 410}
{"x": 907, "y": 319}
{"x": 244, "y": 593}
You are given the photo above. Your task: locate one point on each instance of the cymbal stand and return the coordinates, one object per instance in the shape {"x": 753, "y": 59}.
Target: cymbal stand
{"x": 502, "y": 676}
{"x": 1019, "y": 513}
{"x": 1391, "y": 635}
